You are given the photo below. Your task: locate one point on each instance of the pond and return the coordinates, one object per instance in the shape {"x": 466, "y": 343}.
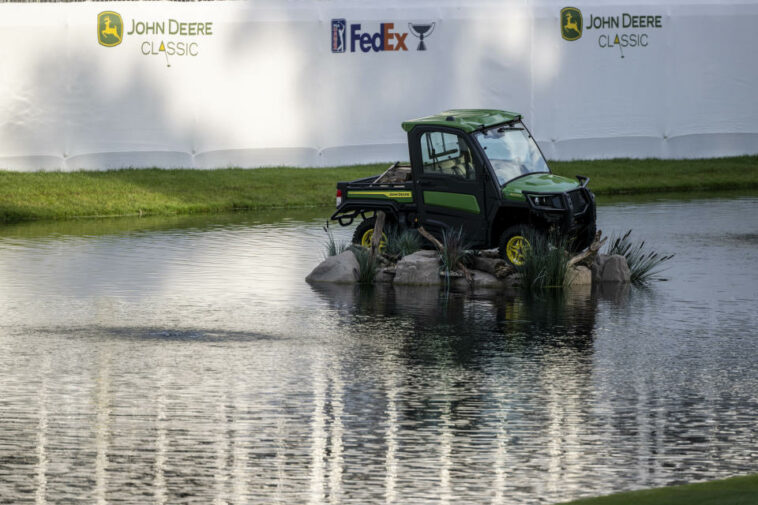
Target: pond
{"x": 185, "y": 360}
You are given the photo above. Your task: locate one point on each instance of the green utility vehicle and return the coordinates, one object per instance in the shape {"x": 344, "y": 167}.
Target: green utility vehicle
{"x": 477, "y": 170}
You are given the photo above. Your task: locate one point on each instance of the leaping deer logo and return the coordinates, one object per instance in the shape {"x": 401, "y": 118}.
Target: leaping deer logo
{"x": 570, "y": 23}
{"x": 571, "y": 26}
{"x": 110, "y": 28}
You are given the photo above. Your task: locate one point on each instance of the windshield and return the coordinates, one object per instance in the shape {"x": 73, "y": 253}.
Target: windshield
{"x": 511, "y": 151}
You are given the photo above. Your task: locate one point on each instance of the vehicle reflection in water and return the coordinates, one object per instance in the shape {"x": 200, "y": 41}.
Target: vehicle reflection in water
{"x": 512, "y": 372}
{"x": 511, "y": 314}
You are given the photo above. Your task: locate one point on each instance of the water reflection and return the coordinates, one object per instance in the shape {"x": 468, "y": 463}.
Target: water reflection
{"x": 550, "y": 317}
{"x": 180, "y": 364}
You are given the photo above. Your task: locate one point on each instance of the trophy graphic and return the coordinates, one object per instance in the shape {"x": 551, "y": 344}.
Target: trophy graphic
{"x": 421, "y": 31}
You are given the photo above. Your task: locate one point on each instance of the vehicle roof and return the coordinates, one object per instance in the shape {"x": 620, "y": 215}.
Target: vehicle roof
{"x": 468, "y": 120}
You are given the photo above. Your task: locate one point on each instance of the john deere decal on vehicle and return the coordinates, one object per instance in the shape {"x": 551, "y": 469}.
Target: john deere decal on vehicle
{"x": 477, "y": 170}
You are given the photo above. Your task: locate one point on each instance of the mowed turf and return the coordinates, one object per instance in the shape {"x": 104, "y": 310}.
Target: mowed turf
{"x": 734, "y": 491}
{"x": 627, "y": 176}
{"x": 63, "y": 195}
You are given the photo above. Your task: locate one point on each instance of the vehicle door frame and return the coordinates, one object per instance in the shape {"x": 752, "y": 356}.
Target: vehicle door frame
{"x": 478, "y": 187}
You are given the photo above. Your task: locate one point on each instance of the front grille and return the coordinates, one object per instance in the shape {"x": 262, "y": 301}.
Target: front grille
{"x": 578, "y": 201}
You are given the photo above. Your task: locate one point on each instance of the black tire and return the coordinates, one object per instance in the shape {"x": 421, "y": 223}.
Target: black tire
{"x": 513, "y": 232}
{"x": 368, "y": 225}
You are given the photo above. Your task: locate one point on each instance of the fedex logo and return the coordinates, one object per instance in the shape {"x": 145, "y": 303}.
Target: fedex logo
{"x": 386, "y": 39}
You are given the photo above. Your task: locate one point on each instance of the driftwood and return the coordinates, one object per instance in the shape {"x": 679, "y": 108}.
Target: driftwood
{"x": 495, "y": 266}
{"x": 490, "y": 253}
{"x": 504, "y": 271}
{"x": 376, "y": 238}
{"x": 587, "y": 256}
{"x": 441, "y": 248}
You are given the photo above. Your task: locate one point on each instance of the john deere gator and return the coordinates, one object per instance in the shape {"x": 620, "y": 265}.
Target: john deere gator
{"x": 477, "y": 170}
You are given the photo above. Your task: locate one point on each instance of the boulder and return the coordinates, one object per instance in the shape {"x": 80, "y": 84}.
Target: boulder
{"x": 597, "y": 268}
{"x": 610, "y": 269}
{"x": 421, "y": 268}
{"x": 578, "y": 276}
{"x": 342, "y": 269}
{"x": 385, "y": 275}
{"x": 481, "y": 280}
{"x": 615, "y": 292}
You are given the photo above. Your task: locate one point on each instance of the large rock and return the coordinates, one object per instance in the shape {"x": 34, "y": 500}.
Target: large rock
{"x": 385, "y": 275}
{"x": 481, "y": 280}
{"x": 421, "y": 268}
{"x": 579, "y": 276}
{"x": 615, "y": 292}
{"x": 342, "y": 269}
{"x": 610, "y": 269}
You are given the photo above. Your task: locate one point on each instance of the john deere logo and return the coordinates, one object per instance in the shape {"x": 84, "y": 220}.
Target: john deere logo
{"x": 110, "y": 28}
{"x": 571, "y": 23}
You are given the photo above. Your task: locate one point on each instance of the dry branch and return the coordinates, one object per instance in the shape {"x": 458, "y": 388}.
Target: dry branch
{"x": 495, "y": 266}
{"x": 588, "y": 255}
{"x": 441, "y": 249}
{"x": 376, "y": 238}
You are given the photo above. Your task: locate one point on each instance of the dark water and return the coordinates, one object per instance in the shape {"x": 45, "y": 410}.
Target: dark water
{"x": 186, "y": 361}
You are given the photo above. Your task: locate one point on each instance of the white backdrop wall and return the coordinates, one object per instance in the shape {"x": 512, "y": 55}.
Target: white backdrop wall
{"x": 265, "y": 88}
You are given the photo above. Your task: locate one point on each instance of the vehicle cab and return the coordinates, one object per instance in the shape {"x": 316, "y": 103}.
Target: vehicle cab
{"x": 477, "y": 170}
{"x": 482, "y": 170}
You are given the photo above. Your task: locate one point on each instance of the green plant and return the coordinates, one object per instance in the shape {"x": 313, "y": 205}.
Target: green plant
{"x": 455, "y": 250}
{"x": 367, "y": 265}
{"x": 644, "y": 265}
{"x": 545, "y": 261}
{"x": 333, "y": 247}
{"x": 402, "y": 243}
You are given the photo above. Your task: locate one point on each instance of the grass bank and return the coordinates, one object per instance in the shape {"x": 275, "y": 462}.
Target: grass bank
{"x": 60, "y": 195}
{"x": 734, "y": 491}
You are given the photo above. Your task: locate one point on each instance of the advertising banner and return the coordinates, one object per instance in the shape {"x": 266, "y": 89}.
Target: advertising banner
{"x": 317, "y": 83}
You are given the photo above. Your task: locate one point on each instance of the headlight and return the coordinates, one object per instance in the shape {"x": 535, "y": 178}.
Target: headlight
{"x": 551, "y": 201}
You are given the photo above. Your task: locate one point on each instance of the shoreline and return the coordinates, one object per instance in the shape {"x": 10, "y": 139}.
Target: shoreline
{"x": 35, "y": 196}
{"x": 730, "y": 491}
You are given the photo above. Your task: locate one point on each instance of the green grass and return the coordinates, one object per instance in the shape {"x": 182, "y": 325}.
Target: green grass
{"x": 402, "y": 243}
{"x": 455, "y": 251}
{"x": 62, "y": 195}
{"x": 59, "y": 195}
{"x": 644, "y": 263}
{"x": 545, "y": 262}
{"x": 734, "y": 491}
{"x": 367, "y": 265}
{"x": 333, "y": 247}
{"x": 627, "y": 176}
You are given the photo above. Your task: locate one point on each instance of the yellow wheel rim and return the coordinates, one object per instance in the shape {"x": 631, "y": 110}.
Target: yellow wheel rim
{"x": 368, "y": 235}
{"x": 515, "y": 249}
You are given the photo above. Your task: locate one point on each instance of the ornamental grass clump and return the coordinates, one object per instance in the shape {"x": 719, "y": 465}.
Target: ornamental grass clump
{"x": 455, "y": 251}
{"x": 644, "y": 265}
{"x": 545, "y": 262}
{"x": 367, "y": 265}
{"x": 402, "y": 243}
{"x": 333, "y": 247}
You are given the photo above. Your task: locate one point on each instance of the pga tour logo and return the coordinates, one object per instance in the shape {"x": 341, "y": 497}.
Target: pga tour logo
{"x": 386, "y": 39}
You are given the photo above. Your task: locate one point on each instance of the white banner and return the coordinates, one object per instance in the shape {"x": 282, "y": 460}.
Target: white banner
{"x": 218, "y": 84}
